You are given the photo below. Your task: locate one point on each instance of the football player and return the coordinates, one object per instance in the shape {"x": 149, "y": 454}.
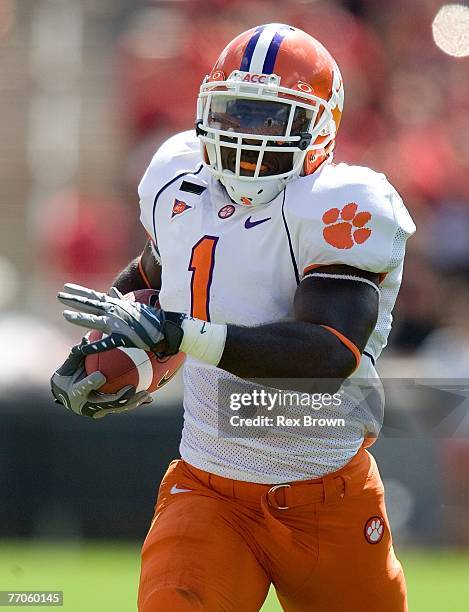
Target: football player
{"x": 272, "y": 262}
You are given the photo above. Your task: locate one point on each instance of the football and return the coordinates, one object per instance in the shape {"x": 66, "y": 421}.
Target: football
{"x": 132, "y": 366}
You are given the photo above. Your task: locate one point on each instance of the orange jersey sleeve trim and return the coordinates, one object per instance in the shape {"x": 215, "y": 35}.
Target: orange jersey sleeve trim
{"x": 346, "y": 342}
{"x": 382, "y": 276}
{"x": 311, "y": 267}
{"x": 142, "y": 273}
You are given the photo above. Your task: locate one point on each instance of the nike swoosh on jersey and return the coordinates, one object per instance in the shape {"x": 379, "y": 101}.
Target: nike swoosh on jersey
{"x": 248, "y": 223}
{"x": 175, "y": 489}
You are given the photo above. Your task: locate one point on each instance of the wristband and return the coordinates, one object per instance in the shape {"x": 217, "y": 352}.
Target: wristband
{"x": 202, "y": 340}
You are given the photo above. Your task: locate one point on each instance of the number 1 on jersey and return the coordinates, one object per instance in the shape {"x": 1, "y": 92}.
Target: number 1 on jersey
{"x": 201, "y": 266}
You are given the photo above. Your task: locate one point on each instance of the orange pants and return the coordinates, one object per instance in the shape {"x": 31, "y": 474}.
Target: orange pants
{"x": 217, "y": 544}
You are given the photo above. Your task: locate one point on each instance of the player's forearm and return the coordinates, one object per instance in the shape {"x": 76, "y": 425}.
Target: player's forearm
{"x": 143, "y": 272}
{"x": 286, "y": 350}
{"x": 130, "y": 278}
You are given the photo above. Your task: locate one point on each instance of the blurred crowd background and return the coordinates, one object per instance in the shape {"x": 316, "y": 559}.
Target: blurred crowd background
{"x": 88, "y": 90}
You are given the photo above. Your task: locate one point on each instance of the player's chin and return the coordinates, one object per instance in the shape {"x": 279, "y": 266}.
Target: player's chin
{"x": 266, "y": 170}
{"x": 272, "y": 165}
{"x": 250, "y": 173}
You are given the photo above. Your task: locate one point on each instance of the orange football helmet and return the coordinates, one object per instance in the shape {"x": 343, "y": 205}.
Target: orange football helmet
{"x": 269, "y": 111}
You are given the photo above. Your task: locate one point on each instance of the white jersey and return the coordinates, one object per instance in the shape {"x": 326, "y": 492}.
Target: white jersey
{"x": 231, "y": 264}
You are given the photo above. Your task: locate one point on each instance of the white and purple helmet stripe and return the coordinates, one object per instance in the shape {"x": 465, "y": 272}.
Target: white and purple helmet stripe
{"x": 262, "y": 49}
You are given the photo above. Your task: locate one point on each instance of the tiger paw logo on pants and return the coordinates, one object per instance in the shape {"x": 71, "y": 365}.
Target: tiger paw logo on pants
{"x": 345, "y": 228}
{"x": 374, "y": 529}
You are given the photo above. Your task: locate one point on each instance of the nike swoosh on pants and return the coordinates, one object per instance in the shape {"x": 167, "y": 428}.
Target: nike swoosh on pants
{"x": 175, "y": 489}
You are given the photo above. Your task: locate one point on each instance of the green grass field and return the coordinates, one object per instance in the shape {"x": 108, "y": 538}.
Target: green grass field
{"x": 103, "y": 578}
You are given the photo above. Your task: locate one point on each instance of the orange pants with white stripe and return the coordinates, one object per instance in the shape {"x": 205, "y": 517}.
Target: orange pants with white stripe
{"x": 216, "y": 544}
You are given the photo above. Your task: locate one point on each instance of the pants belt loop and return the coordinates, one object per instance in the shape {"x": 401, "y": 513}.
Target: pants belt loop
{"x": 333, "y": 489}
{"x": 347, "y": 480}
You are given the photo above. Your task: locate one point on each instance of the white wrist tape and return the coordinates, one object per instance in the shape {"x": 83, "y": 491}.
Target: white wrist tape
{"x": 202, "y": 340}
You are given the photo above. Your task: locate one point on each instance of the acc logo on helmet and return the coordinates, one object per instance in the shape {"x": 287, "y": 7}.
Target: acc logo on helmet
{"x": 255, "y": 78}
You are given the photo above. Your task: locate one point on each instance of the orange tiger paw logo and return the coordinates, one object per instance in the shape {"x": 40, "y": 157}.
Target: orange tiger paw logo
{"x": 345, "y": 227}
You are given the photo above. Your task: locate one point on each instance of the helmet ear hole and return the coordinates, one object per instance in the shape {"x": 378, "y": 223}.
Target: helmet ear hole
{"x": 260, "y": 191}
{"x": 314, "y": 159}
